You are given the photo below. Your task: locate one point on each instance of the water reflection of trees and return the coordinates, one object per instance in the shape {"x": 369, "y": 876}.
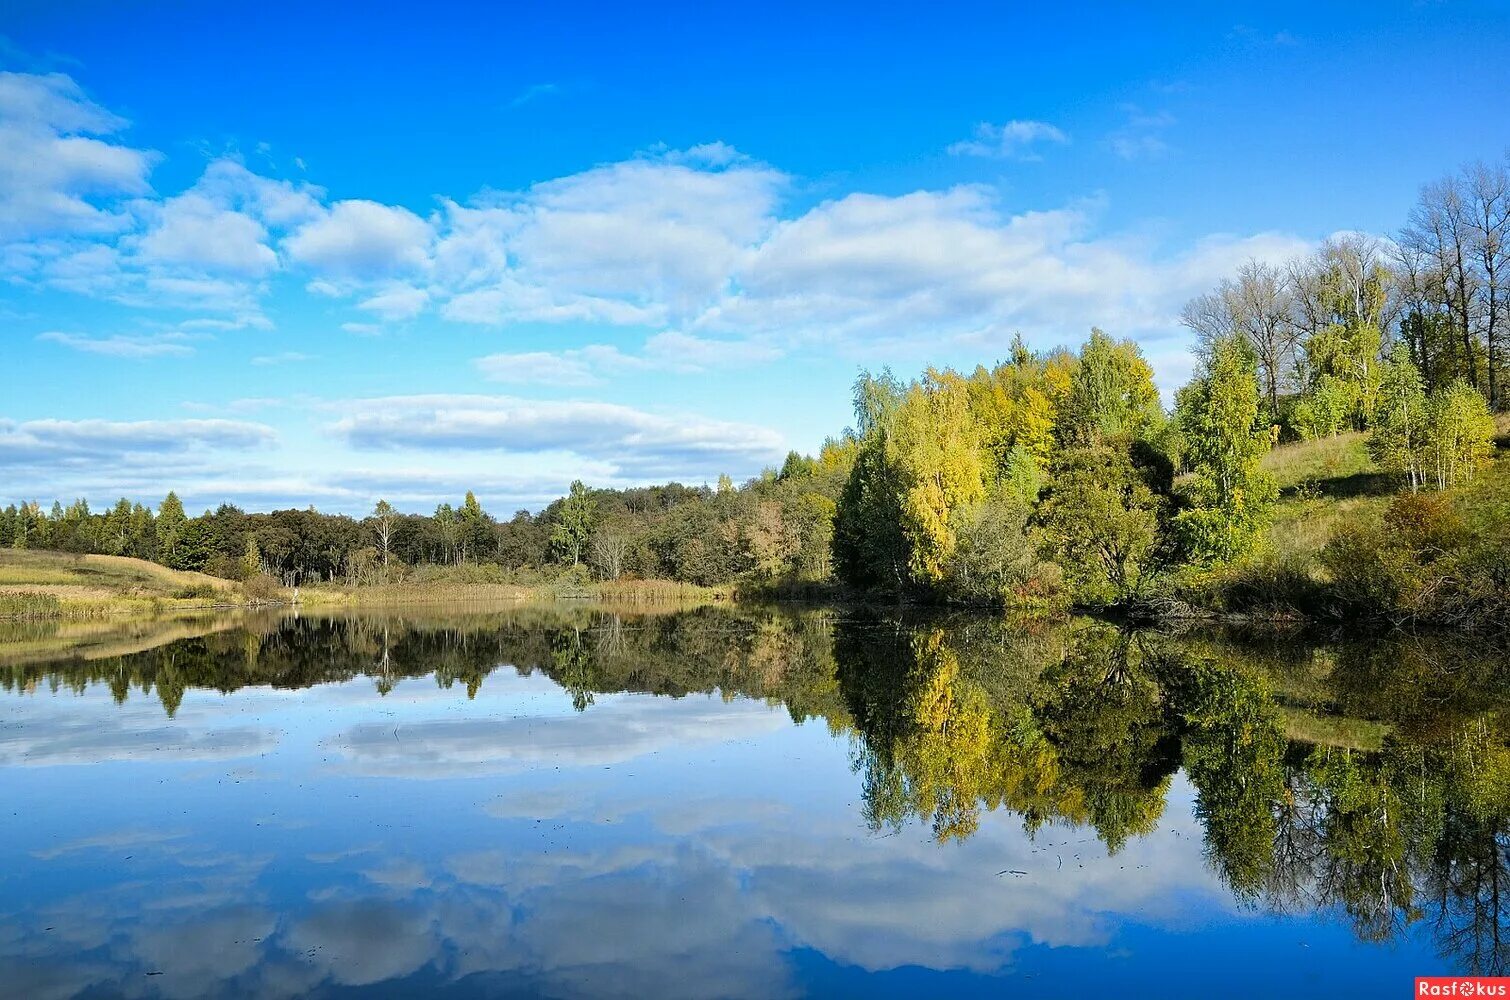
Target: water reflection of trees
{"x": 953, "y": 717}
{"x": 1417, "y": 829}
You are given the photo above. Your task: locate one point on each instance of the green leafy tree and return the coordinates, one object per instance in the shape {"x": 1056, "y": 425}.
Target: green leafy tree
{"x": 1111, "y": 394}
{"x": 574, "y": 524}
{"x": 1101, "y": 518}
{"x": 170, "y": 527}
{"x": 1231, "y": 498}
{"x": 1461, "y": 436}
{"x": 1401, "y": 429}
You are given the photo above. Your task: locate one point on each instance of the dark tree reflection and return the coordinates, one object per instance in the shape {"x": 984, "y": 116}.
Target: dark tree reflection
{"x": 1365, "y": 778}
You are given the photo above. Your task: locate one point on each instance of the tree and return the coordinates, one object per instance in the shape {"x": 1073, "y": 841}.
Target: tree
{"x": 1259, "y": 307}
{"x": 869, "y": 548}
{"x": 993, "y": 559}
{"x": 936, "y": 450}
{"x": 1438, "y": 241}
{"x": 1461, "y": 436}
{"x": 1488, "y": 188}
{"x": 474, "y": 529}
{"x": 170, "y": 526}
{"x": 383, "y": 519}
{"x": 608, "y": 551}
{"x": 1401, "y": 431}
{"x": 448, "y": 531}
{"x": 574, "y": 524}
{"x": 1230, "y": 496}
{"x": 1101, "y": 518}
{"x": 251, "y": 559}
{"x": 1344, "y": 298}
{"x": 1111, "y": 393}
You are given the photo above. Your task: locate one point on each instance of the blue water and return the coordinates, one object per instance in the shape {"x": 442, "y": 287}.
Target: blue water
{"x": 333, "y": 840}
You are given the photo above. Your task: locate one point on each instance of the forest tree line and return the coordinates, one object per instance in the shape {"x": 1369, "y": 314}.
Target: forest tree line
{"x": 1051, "y": 478}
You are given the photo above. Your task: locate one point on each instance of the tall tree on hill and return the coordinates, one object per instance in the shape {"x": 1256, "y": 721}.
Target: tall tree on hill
{"x": 170, "y": 528}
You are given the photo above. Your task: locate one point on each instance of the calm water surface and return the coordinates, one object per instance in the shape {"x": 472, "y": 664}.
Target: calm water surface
{"x": 742, "y": 803}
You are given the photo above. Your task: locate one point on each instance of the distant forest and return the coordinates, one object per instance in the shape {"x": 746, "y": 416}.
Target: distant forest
{"x": 1053, "y": 478}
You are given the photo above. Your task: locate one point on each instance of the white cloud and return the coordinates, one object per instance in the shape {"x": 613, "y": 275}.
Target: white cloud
{"x": 670, "y": 350}
{"x": 278, "y": 204}
{"x": 637, "y": 442}
{"x": 397, "y": 302}
{"x": 192, "y": 230}
{"x": 47, "y": 441}
{"x": 641, "y": 242}
{"x": 57, "y": 174}
{"x": 359, "y": 240}
{"x": 693, "y": 247}
{"x": 282, "y": 358}
{"x": 1014, "y": 140}
{"x": 537, "y": 367}
{"x": 146, "y": 345}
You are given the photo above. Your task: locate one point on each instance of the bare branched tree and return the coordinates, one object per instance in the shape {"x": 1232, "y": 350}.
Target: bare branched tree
{"x": 608, "y": 551}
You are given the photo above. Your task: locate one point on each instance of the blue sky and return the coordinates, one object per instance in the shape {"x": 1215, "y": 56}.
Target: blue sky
{"x": 280, "y": 255}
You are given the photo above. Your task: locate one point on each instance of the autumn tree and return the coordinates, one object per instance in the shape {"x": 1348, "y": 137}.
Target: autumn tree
{"x": 1460, "y": 436}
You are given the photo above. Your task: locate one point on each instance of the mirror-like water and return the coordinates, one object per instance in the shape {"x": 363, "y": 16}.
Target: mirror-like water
{"x": 743, "y": 802}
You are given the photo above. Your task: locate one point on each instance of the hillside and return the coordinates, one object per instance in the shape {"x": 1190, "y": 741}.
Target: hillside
{"x": 85, "y": 585}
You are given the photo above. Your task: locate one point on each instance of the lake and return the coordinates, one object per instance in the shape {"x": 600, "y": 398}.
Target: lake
{"x": 744, "y": 802}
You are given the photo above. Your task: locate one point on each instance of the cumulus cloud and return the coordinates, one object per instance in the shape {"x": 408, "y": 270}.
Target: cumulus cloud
{"x": 359, "y": 239}
{"x": 1014, "y": 140}
{"x": 644, "y": 241}
{"x": 697, "y": 248}
{"x": 193, "y": 230}
{"x": 59, "y": 163}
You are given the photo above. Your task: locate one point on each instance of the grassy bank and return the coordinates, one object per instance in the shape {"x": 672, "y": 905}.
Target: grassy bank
{"x": 59, "y": 586}
{"x": 1328, "y": 489}
{"x": 569, "y": 587}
